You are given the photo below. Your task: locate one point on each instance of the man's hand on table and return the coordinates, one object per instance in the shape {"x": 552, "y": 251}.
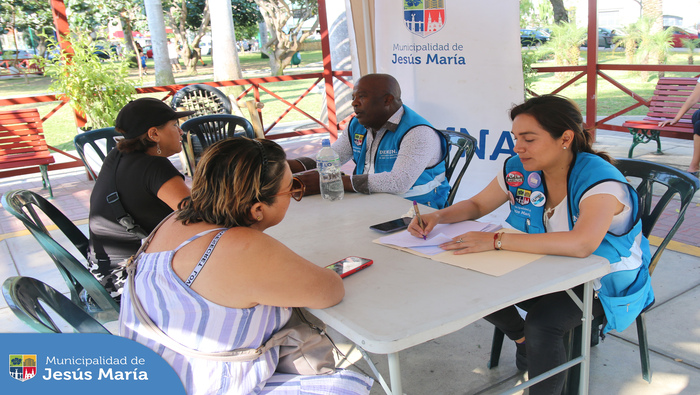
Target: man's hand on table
{"x": 311, "y": 181}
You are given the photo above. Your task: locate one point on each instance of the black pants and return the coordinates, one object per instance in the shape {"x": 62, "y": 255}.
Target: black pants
{"x": 549, "y": 317}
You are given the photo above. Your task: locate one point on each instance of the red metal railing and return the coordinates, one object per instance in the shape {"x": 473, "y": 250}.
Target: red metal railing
{"x": 17, "y": 67}
{"x": 252, "y": 87}
{"x": 256, "y": 85}
{"x": 599, "y": 70}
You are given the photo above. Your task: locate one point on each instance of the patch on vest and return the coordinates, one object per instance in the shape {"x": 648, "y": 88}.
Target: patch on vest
{"x": 515, "y": 178}
{"x": 534, "y": 180}
{"x": 358, "y": 138}
{"x": 537, "y": 199}
{"x": 522, "y": 196}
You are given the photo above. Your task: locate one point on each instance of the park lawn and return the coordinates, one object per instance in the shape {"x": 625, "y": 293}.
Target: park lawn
{"x": 60, "y": 128}
{"x": 610, "y": 98}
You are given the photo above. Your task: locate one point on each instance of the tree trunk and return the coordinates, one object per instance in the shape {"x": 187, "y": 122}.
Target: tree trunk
{"x": 156, "y": 24}
{"x": 560, "y": 14}
{"x": 653, "y": 10}
{"x": 284, "y": 40}
{"x": 224, "y": 52}
{"x": 128, "y": 36}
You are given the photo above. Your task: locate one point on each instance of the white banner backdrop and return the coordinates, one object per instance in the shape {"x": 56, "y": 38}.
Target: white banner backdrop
{"x": 459, "y": 66}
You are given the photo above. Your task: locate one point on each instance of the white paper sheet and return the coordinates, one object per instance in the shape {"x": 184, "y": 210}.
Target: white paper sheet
{"x": 442, "y": 233}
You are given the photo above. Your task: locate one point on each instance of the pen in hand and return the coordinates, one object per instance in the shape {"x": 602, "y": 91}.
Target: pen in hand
{"x": 420, "y": 220}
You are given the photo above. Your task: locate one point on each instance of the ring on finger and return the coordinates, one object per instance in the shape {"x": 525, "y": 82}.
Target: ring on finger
{"x": 460, "y": 240}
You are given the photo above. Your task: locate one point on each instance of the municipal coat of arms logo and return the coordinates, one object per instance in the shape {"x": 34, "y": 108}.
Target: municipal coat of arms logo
{"x": 424, "y": 17}
{"x": 358, "y": 138}
{"x": 22, "y": 367}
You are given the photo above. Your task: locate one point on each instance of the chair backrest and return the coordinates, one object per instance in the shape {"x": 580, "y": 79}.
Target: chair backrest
{"x": 24, "y": 205}
{"x": 212, "y": 128}
{"x": 27, "y": 297}
{"x": 93, "y": 146}
{"x": 201, "y": 132}
{"x": 658, "y": 186}
{"x": 465, "y": 146}
{"x": 202, "y": 99}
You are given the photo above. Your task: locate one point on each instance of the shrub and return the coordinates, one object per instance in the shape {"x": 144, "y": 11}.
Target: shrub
{"x": 96, "y": 88}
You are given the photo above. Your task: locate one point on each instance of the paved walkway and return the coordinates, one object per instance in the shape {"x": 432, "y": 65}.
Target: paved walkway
{"x": 456, "y": 364}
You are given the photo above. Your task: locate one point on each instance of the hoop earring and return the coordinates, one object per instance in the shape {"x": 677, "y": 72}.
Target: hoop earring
{"x": 158, "y": 151}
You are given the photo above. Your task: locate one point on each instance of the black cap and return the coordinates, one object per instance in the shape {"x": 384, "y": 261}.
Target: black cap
{"x": 139, "y": 115}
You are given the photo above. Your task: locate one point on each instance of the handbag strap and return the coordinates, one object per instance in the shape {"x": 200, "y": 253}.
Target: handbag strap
{"x": 238, "y": 355}
{"x": 123, "y": 217}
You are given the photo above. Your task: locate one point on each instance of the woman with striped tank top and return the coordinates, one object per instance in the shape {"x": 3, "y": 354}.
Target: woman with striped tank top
{"x": 213, "y": 281}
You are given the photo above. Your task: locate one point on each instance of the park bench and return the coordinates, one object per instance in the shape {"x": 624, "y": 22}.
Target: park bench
{"x": 22, "y": 144}
{"x": 17, "y": 67}
{"x": 669, "y": 95}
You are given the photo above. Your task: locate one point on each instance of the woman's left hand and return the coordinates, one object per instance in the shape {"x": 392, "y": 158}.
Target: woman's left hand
{"x": 470, "y": 242}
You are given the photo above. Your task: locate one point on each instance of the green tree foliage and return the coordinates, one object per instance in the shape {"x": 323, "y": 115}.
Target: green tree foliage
{"x": 32, "y": 16}
{"x": 245, "y": 16}
{"x": 95, "y": 88}
{"x": 565, "y": 43}
{"x": 535, "y": 15}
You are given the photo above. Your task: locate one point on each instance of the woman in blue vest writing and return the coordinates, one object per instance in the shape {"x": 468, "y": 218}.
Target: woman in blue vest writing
{"x": 568, "y": 200}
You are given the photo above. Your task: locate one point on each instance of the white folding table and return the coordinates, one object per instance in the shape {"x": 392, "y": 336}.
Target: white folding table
{"x": 403, "y": 300}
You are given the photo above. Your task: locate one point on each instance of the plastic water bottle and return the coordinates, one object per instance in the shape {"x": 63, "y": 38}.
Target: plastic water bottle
{"x": 328, "y": 165}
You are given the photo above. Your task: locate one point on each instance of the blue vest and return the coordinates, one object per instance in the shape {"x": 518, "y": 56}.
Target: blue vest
{"x": 431, "y": 188}
{"x": 623, "y": 293}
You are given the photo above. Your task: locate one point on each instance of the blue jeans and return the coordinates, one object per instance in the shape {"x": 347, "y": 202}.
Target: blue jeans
{"x": 549, "y": 317}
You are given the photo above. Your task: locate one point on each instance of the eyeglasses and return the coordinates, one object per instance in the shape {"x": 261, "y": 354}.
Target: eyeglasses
{"x": 297, "y": 191}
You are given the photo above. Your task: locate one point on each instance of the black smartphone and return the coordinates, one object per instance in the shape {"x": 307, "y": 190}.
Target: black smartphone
{"x": 349, "y": 265}
{"x": 392, "y": 226}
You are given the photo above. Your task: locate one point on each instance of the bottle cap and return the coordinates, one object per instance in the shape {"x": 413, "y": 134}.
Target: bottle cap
{"x": 326, "y": 143}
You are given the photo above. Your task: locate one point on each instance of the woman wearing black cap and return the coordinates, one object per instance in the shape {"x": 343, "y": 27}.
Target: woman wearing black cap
{"x": 148, "y": 187}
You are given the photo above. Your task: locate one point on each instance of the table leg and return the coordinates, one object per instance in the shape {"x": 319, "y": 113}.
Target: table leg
{"x": 586, "y": 336}
{"x": 378, "y": 375}
{"x": 395, "y": 374}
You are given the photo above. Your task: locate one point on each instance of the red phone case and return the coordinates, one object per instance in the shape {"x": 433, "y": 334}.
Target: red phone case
{"x": 355, "y": 270}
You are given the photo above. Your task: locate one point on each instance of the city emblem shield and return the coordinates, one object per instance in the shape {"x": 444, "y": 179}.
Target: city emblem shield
{"x": 22, "y": 367}
{"x": 424, "y": 17}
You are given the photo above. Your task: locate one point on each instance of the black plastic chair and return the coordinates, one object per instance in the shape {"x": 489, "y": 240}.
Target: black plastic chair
{"x": 202, "y": 99}
{"x": 24, "y": 204}
{"x": 465, "y": 147}
{"x": 27, "y": 297}
{"x": 651, "y": 178}
{"x": 95, "y": 142}
{"x": 209, "y": 129}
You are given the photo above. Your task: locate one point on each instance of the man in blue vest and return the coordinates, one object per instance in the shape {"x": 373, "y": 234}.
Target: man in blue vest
{"x": 394, "y": 149}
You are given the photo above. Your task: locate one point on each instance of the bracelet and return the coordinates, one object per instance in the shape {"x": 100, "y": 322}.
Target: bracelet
{"x": 497, "y": 241}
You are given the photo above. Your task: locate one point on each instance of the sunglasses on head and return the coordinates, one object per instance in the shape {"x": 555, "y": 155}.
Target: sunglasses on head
{"x": 297, "y": 190}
